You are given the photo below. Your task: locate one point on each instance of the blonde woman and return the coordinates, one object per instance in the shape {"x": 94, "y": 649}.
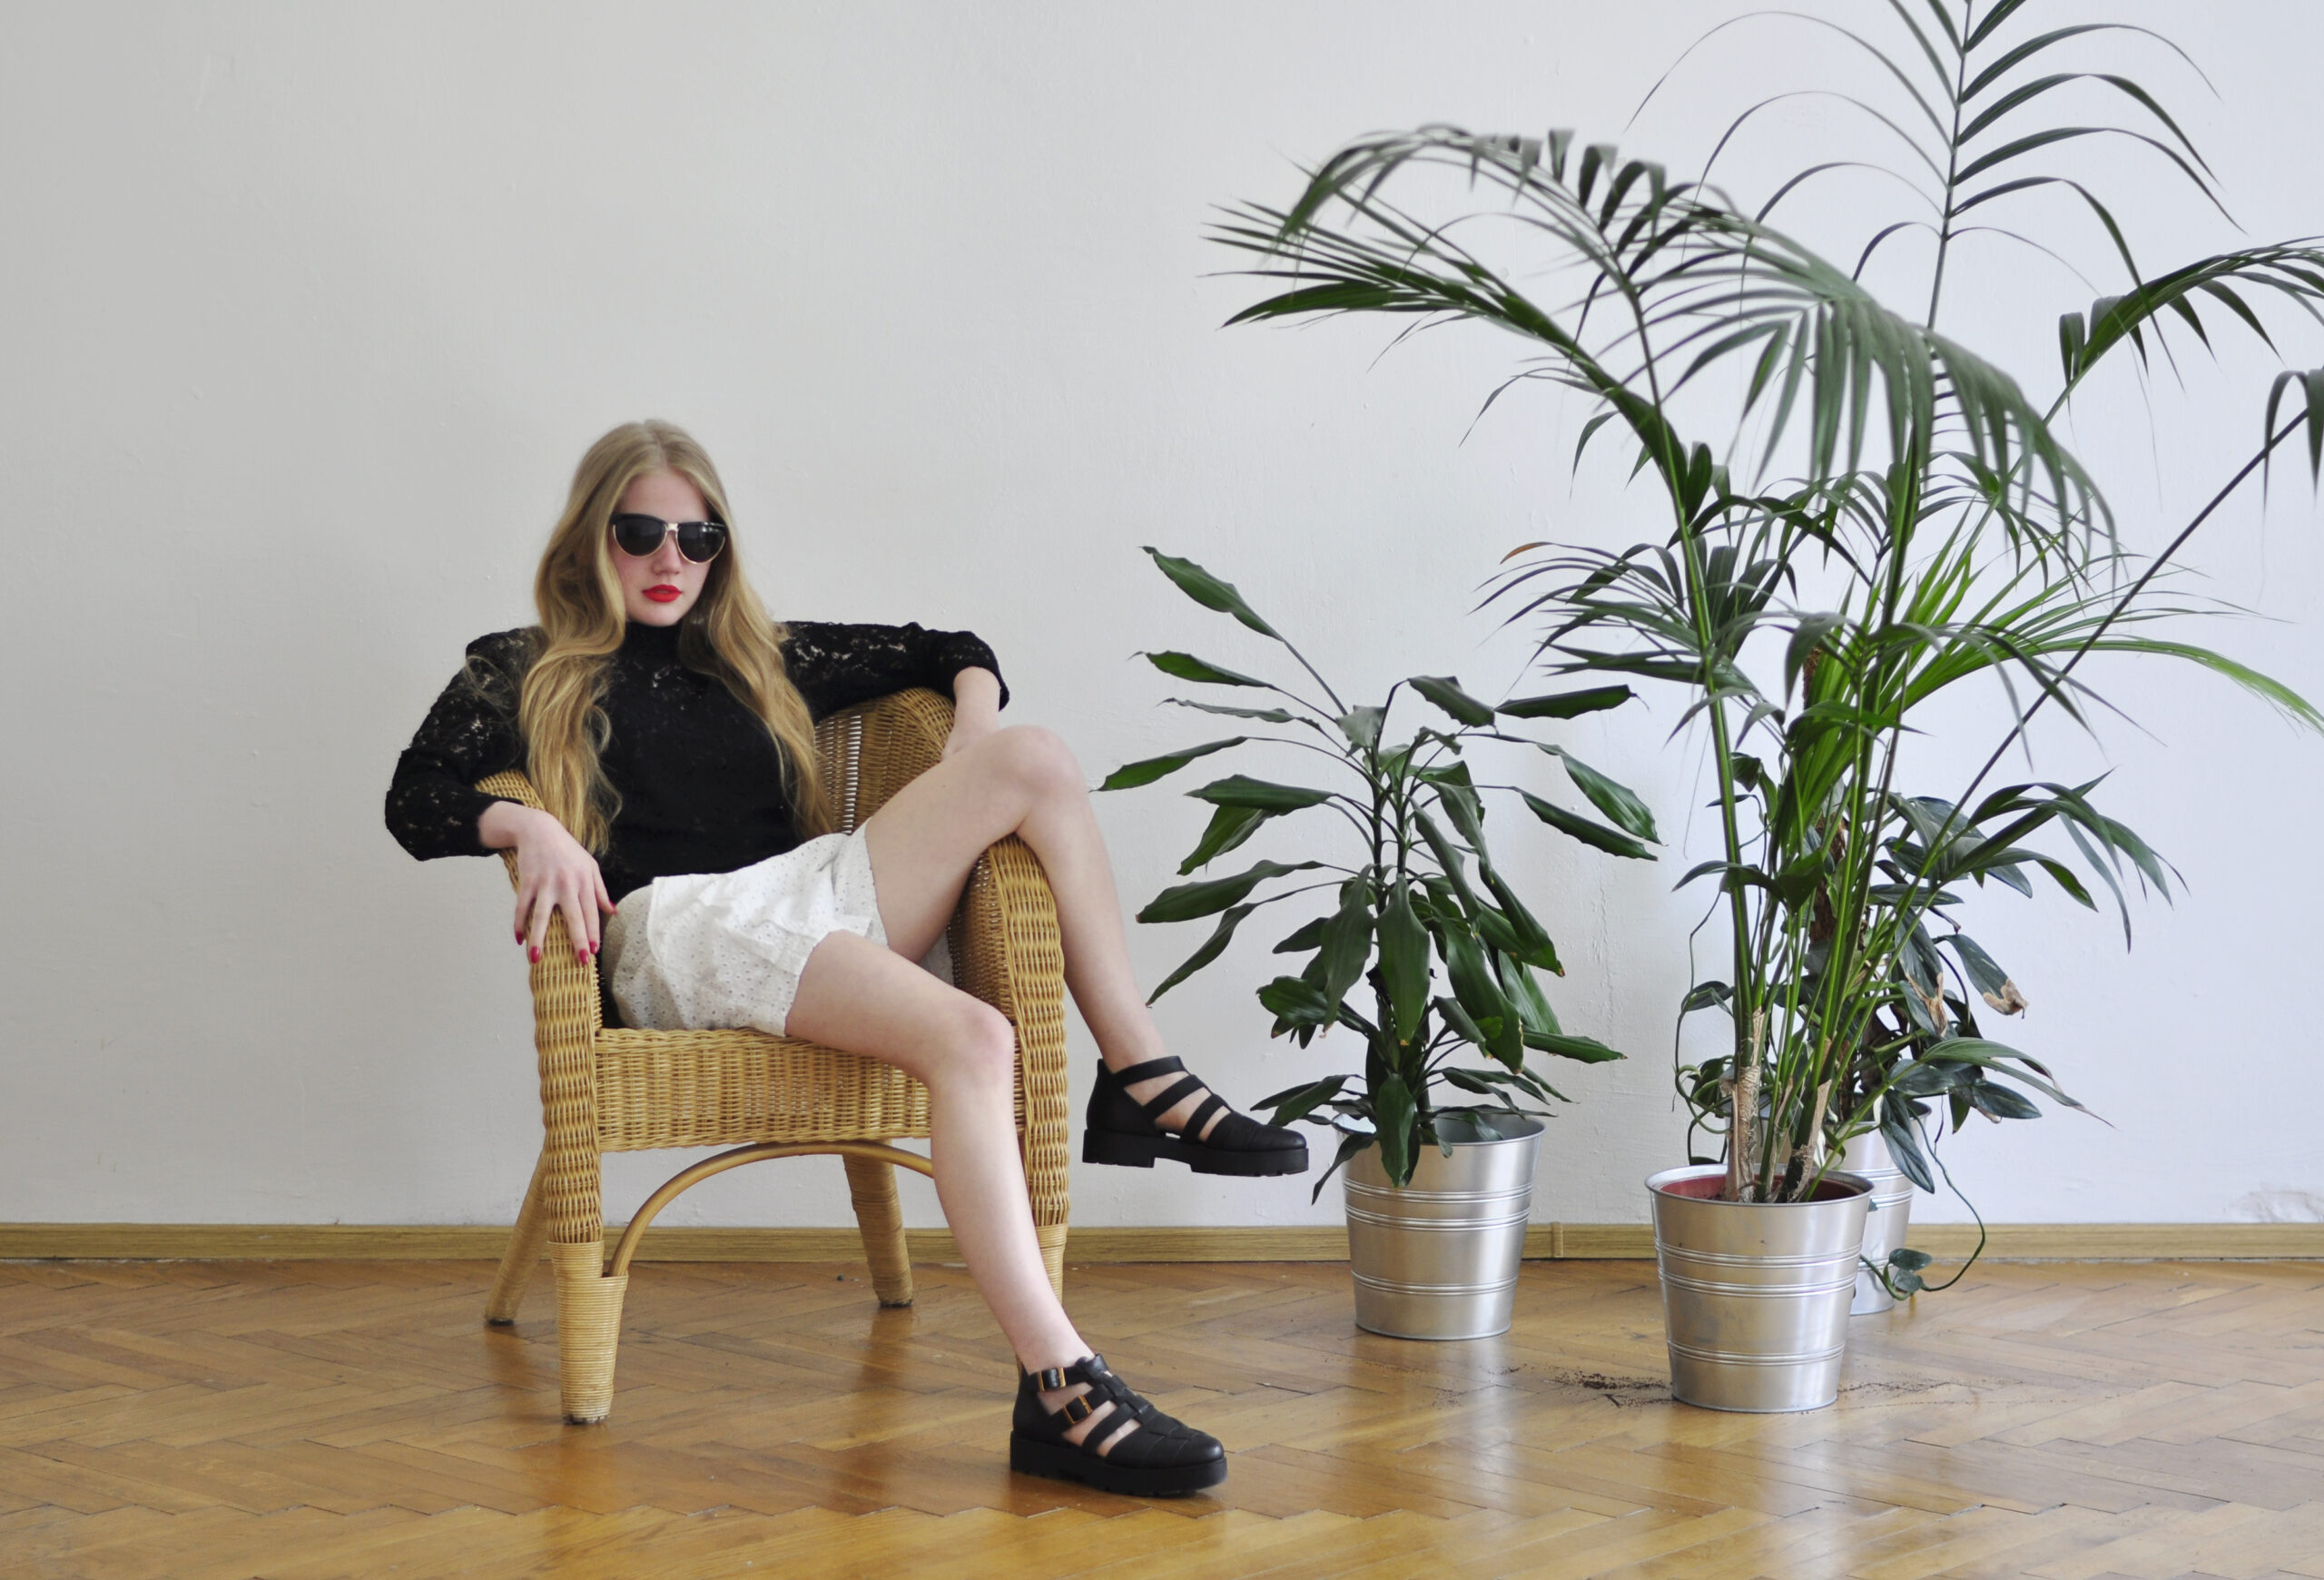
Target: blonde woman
{"x": 668, "y": 725}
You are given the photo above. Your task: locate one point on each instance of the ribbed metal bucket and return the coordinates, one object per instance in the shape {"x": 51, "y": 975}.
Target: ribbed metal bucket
{"x": 1439, "y": 1259}
{"x": 1755, "y": 1295}
{"x": 1868, "y": 1158}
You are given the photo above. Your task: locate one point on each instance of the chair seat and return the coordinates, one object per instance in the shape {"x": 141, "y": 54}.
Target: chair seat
{"x": 716, "y": 1089}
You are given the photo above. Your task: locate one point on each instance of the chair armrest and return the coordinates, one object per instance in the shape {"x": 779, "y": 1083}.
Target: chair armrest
{"x": 565, "y": 1022}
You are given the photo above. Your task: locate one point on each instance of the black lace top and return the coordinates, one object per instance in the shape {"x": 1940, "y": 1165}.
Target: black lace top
{"x": 699, "y": 778}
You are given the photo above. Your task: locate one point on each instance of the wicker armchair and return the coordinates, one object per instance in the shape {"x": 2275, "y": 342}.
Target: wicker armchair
{"x": 612, "y": 1089}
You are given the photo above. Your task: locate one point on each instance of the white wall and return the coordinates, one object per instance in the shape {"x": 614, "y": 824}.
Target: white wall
{"x": 310, "y": 309}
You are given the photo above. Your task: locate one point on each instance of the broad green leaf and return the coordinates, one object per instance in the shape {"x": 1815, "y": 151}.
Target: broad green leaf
{"x": 1295, "y": 1002}
{"x": 1188, "y": 901}
{"x": 1347, "y": 940}
{"x": 1533, "y": 1011}
{"x": 1361, "y": 726}
{"x": 1130, "y": 775}
{"x": 1445, "y": 692}
{"x": 1618, "y": 802}
{"x": 1567, "y": 704}
{"x": 1478, "y": 991}
{"x": 1585, "y": 1050}
{"x": 1610, "y": 841}
{"x": 1229, "y": 826}
{"x": 1187, "y": 667}
{"x": 1404, "y": 962}
{"x": 1270, "y": 715}
{"x": 1209, "y": 591}
{"x": 1211, "y": 949}
{"x": 1392, "y": 1117}
{"x": 1291, "y": 1107}
{"x": 1242, "y": 790}
{"x": 1310, "y": 936}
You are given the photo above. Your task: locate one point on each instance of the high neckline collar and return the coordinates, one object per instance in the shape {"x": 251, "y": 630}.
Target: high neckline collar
{"x": 652, "y": 642}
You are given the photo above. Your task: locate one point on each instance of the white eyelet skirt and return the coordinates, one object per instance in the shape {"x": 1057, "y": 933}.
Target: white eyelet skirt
{"x": 712, "y": 950}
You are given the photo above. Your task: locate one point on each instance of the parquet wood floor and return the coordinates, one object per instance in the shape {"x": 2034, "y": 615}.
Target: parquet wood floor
{"x": 301, "y": 1420}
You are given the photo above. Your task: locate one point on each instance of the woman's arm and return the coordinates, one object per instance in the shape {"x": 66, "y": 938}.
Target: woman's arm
{"x": 838, "y": 667}
{"x": 433, "y": 805}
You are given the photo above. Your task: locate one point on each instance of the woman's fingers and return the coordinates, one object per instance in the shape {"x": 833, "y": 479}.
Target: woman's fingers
{"x": 577, "y": 920}
{"x": 544, "y": 907}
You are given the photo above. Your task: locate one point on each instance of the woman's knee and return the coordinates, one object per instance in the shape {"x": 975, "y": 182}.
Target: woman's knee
{"x": 1039, "y": 759}
{"x": 983, "y": 1045}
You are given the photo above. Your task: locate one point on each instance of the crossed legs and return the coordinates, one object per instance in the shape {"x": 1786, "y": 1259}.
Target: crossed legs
{"x": 854, "y": 994}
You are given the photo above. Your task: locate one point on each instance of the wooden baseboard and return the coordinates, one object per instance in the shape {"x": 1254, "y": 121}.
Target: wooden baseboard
{"x": 1315, "y": 1243}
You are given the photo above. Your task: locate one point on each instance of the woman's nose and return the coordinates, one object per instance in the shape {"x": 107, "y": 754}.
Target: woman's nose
{"x": 667, "y": 560}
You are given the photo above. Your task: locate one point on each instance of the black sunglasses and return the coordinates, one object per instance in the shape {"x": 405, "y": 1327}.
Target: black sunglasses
{"x": 640, "y": 534}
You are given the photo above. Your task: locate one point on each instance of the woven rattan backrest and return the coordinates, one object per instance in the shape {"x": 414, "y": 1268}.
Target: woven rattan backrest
{"x": 871, "y": 752}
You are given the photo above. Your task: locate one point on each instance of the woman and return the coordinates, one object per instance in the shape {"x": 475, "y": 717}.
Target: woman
{"x": 668, "y": 725}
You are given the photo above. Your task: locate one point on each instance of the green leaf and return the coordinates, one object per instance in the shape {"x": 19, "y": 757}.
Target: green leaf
{"x": 1188, "y": 901}
{"x": 1618, "y": 802}
{"x": 1591, "y": 834}
{"x": 1209, "y": 591}
{"x": 1270, "y": 715}
{"x": 1533, "y": 1011}
{"x": 1291, "y": 1107}
{"x": 1229, "y": 826}
{"x": 1296, "y": 1001}
{"x": 1242, "y": 790}
{"x": 1404, "y": 962}
{"x": 1130, "y": 775}
{"x": 1187, "y": 667}
{"x": 1347, "y": 940}
{"x": 1361, "y": 726}
{"x": 1583, "y": 1050}
{"x": 1393, "y": 1117}
{"x": 1310, "y": 936}
{"x": 1567, "y": 704}
{"x": 1211, "y": 949}
{"x": 1445, "y": 692}
{"x": 1478, "y": 991}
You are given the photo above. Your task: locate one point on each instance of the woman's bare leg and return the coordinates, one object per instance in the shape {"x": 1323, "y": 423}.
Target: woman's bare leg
{"x": 1022, "y": 781}
{"x": 854, "y": 994}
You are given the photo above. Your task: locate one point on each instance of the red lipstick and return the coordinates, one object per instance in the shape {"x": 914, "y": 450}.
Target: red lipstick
{"x": 664, "y": 594}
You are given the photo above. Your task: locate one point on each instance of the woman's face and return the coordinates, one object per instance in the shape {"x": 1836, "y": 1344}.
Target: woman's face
{"x": 658, "y": 588}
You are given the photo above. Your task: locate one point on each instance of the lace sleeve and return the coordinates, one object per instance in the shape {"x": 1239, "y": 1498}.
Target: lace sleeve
{"x": 469, "y": 735}
{"x": 836, "y": 666}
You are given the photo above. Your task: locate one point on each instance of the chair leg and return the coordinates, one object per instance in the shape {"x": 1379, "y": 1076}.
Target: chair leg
{"x": 588, "y": 1329}
{"x": 524, "y": 1253}
{"x": 1052, "y": 1239}
{"x": 879, "y": 1216}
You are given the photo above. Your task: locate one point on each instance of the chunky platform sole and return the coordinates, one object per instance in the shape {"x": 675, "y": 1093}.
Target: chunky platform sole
{"x": 1063, "y": 1462}
{"x": 1131, "y": 1152}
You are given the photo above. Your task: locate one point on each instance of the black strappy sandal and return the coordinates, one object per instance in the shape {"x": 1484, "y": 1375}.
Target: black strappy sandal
{"x": 1157, "y": 1457}
{"x": 1123, "y": 1131}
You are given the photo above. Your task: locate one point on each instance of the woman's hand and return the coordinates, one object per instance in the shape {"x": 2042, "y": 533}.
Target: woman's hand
{"x": 554, "y": 873}
{"x": 976, "y": 709}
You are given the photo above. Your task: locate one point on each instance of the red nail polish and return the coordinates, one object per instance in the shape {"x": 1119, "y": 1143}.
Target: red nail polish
{"x": 536, "y": 955}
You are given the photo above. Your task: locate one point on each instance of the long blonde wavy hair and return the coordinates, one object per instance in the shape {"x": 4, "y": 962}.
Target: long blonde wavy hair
{"x": 725, "y": 633}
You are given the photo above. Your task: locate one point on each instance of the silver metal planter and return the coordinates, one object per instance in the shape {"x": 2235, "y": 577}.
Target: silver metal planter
{"x": 1868, "y": 1158}
{"x": 1755, "y": 1295}
{"x": 1439, "y": 1259}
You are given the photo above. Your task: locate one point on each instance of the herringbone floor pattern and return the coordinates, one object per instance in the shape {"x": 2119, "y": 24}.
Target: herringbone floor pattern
{"x": 293, "y": 1420}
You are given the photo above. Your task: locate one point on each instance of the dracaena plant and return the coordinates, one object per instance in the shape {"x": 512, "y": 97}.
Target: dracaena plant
{"x": 1863, "y": 514}
{"x": 1426, "y": 952}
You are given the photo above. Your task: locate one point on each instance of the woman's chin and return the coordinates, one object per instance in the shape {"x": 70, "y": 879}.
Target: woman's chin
{"x": 646, "y": 612}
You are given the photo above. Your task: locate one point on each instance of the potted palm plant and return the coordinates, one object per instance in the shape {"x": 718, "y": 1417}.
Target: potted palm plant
{"x": 1424, "y": 955}
{"x": 1905, "y": 518}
